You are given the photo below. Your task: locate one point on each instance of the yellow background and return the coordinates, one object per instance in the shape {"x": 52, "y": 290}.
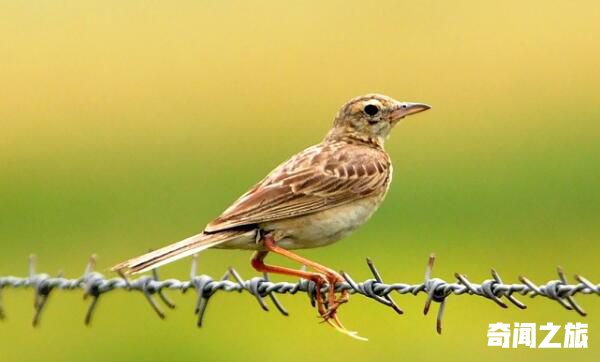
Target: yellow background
{"x": 127, "y": 125}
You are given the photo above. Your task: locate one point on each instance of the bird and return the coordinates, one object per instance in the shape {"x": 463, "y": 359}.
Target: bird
{"x": 315, "y": 198}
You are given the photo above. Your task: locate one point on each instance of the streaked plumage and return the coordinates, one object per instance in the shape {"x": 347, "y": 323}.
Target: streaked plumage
{"x": 319, "y": 178}
{"x": 315, "y": 198}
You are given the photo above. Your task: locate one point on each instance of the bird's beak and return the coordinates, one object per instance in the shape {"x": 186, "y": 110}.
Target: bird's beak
{"x": 404, "y": 109}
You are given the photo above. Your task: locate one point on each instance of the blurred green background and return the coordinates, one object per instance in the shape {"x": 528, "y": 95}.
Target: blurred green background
{"x": 127, "y": 125}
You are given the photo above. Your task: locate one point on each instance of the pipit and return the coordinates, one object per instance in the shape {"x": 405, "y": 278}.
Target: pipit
{"x": 313, "y": 199}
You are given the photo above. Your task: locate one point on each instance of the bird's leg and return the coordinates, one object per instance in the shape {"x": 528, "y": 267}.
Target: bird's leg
{"x": 331, "y": 276}
{"x": 319, "y": 280}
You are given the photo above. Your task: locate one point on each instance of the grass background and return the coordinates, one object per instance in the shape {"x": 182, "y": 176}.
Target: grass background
{"x": 124, "y": 126}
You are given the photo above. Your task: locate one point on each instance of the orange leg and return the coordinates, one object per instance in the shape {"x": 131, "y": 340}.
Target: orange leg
{"x": 328, "y": 276}
{"x": 332, "y": 276}
{"x": 319, "y": 280}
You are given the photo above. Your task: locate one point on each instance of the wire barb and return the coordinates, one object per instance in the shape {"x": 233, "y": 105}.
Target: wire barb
{"x": 94, "y": 285}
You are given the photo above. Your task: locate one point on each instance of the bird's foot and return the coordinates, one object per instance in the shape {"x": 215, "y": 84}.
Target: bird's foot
{"x": 333, "y": 320}
{"x": 328, "y": 305}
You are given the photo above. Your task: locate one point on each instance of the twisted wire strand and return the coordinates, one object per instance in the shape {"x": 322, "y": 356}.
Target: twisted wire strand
{"x": 94, "y": 285}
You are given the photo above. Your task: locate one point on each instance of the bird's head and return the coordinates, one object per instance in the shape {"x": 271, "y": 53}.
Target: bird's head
{"x": 371, "y": 117}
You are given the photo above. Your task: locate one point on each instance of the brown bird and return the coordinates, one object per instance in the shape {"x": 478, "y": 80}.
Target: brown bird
{"x": 313, "y": 199}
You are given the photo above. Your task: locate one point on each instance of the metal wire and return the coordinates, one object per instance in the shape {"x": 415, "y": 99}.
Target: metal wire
{"x": 94, "y": 285}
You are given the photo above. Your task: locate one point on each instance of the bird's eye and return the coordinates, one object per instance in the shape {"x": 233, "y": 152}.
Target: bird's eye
{"x": 371, "y": 109}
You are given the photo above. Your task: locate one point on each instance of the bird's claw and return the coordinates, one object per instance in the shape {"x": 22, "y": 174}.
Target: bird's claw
{"x": 328, "y": 305}
{"x": 334, "y": 321}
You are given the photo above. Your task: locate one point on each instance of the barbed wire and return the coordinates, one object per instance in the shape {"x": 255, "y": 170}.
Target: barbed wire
{"x": 94, "y": 285}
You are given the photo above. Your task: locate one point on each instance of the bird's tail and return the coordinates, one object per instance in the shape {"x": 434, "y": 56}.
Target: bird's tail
{"x": 175, "y": 251}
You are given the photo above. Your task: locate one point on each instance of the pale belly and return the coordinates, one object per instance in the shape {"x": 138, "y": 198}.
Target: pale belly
{"x": 314, "y": 230}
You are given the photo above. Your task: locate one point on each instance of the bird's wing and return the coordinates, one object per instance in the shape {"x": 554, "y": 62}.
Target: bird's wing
{"x": 319, "y": 178}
